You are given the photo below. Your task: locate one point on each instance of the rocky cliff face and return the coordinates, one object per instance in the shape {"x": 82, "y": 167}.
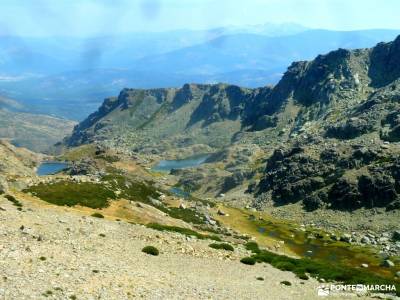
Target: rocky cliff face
{"x": 340, "y": 151}
{"x": 158, "y": 119}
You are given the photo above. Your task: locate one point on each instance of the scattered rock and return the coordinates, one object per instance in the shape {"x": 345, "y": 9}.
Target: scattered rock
{"x": 365, "y": 240}
{"x": 346, "y": 238}
{"x": 221, "y": 213}
{"x": 388, "y": 263}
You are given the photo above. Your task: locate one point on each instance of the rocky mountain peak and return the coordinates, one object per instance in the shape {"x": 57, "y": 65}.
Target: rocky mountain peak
{"x": 385, "y": 63}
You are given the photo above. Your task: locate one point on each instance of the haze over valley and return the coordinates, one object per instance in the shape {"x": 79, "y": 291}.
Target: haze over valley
{"x": 199, "y": 149}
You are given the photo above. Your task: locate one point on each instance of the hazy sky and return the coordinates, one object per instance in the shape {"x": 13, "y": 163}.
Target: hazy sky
{"x": 93, "y": 17}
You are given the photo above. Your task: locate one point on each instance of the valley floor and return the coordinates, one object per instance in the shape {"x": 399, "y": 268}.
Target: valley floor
{"x": 49, "y": 252}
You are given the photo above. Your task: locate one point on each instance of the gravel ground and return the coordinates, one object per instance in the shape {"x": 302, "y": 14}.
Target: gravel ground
{"x": 49, "y": 252}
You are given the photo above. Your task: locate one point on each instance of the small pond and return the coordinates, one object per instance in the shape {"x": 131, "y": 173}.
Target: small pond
{"x": 50, "y": 168}
{"x": 193, "y": 161}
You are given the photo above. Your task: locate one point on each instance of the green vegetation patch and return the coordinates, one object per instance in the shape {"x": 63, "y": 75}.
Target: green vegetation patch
{"x": 248, "y": 261}
{"x": 108, "y": 158}
{"x": 78, "y": 153}
{"x": 67, "y": 193}
{"x": 144, "y": 192}
{"x": 151, "y": 250}
{"x": 318, "y": 269}
{"x": 222, "y": 246}
{"x": 184, "y": 231}
{"x": 137, "y": 191}
{"x": 186, "y": 214}
{"x": 97, "y": 215}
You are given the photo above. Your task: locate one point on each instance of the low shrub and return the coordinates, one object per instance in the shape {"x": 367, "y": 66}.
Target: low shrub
{"x": 260, "y": 278}
{"x": 14, "y": 201}
{"x": 150, "y": 250}
{"x": 252, "y": 246}
{"x": 302, "y": 276}
{"x": 248, "y": 261}
{"x": 97, "y": 215}
{"x": 222, "y": 246}
{"x": 284, "y": 265}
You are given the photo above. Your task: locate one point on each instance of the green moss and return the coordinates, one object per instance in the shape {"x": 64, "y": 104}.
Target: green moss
{"x": 223, "y": 246}
{"x": 151, "y": 250}
{"x": 184, "y": 231}
{"x": 67, "y": 193}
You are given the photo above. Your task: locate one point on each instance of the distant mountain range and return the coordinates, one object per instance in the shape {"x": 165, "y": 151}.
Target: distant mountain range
{"x": 57, "y": 75}
{"x": 33, "y": 131}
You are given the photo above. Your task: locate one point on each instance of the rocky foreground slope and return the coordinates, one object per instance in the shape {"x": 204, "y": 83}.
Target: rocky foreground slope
{"x": 57, "y": 253}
